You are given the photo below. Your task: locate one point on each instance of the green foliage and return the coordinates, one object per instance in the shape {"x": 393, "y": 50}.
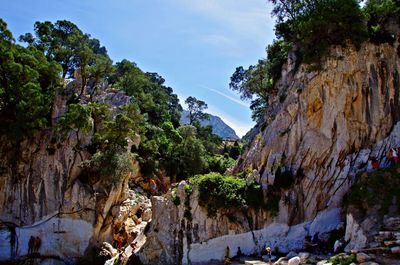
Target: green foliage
{"x": 78, "y": 116}
{"x": 375, "y": 189}
{"x": 343, "y": 259}
{"x": 65, "y": 43}
{"x": 322, "y": 22}
{"x": 218, "y": 192}
{"x": 28, "y": 82}
{"x": 175, "y": 198}
{"x": 110, "y": 164}
{"x": 30, "y": 76}
{"x": 196, "y": 108}
{"x": 380, "y": 13}
{"x": 235, "y": 151}
{"x": 210, "y": 141}
{"x": 189, "y": 189}
{"x": 257, "y": 82}
{"x": 149, "y": 93}
{"x": 190, "y": 154}
{"x": 219, "y": 163}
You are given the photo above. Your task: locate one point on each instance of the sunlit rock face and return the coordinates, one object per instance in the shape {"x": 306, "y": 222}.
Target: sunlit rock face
{"x": 322, "y": 127}
{"x": 43, "y": 193}
{"x": 328, "y": 125}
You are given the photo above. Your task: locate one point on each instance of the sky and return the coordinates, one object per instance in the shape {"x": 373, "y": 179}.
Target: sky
{"x": 195, "y": 45}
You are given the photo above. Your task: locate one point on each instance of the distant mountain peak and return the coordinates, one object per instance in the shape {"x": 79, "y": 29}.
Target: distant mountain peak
{"x": 219, "y": 127}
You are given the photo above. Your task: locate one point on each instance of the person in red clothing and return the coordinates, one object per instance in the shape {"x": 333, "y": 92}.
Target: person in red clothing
{"x": 393, "y": 156}
{"x": 375, "y": 163}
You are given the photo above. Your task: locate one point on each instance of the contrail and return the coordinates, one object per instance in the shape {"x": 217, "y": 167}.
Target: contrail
{"x": 226, "y": 96}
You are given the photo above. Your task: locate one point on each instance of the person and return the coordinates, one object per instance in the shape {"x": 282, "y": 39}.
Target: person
{"x": 31, "y": 245}
{"x": 269, "y": 254}
{"x": 375, "y": 163}
{"x": 37, "y": 244}
{"x": 393, "y": 156}
{"x": 153, "y": 187}
{"x": 227, "y": 259}
{"x": 238, "y": 253}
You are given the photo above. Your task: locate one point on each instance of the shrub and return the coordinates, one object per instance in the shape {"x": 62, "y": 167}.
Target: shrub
{"x": 343, "y": 260}
{"x": 372, "y": 189}
{"x": 175, "y": 198}
{"x": 224, "y": 192}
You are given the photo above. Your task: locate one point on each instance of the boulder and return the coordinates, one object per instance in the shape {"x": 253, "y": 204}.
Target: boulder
{"x": 362, "y": 257}
{"x": 294, "y": 261}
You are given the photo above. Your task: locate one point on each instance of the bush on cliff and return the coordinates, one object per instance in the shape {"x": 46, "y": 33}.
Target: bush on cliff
{"x": 218, "y": 192}
{"x": 375, "y": 189}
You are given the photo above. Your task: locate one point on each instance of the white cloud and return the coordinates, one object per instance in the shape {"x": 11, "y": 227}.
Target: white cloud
{"x": 238, "y": 101}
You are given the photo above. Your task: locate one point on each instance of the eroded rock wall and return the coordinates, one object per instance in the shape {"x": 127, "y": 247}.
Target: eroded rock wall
{"x": 43, "y": 193}
{"x": 328, "y": 125}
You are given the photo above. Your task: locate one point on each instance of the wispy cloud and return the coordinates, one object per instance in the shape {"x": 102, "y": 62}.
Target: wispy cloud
{"x": 247, "y": 18}
{"x": 238, "y": 101}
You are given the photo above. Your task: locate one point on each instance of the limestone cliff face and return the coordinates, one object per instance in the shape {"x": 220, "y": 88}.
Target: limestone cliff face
{"x": 328, "y": 125}
{"x": 42, "y": 193}
{"x": 321, "y": 128}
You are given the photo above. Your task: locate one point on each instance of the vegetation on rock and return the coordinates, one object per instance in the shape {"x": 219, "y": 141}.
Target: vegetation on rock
{"x": 218, "y": 192}
{"x": 303, "y": 24}
{"x": 375, "y": 189}
{"x": 31, "y": 77}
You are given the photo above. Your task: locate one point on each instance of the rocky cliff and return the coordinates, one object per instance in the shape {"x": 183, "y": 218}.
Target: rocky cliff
{"x": 44, "y": 193}
{"x": 319, "y": 131}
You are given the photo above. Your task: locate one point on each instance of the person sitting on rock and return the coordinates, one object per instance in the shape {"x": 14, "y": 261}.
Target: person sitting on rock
{"x": 227, "y": 259}
{"x": 238, "y": 253}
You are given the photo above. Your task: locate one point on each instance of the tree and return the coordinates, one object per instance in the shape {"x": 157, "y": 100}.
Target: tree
{"x": 190, "y": 154}
{"x": 28, "y": 82}
{"x": 66, "y": 44}
{"x": 195, "y": 108}
{"x": 326, "y": 22}
{"x": 235, "y": 151}
{"x": 380, "y": 14}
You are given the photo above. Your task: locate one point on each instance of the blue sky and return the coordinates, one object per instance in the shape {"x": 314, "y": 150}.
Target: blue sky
{"x": 194, "y": 44}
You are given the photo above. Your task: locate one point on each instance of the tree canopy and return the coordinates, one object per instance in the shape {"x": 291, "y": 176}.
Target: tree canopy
{"x": 28, "y": 81}
{"x": 196, "y": 108}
